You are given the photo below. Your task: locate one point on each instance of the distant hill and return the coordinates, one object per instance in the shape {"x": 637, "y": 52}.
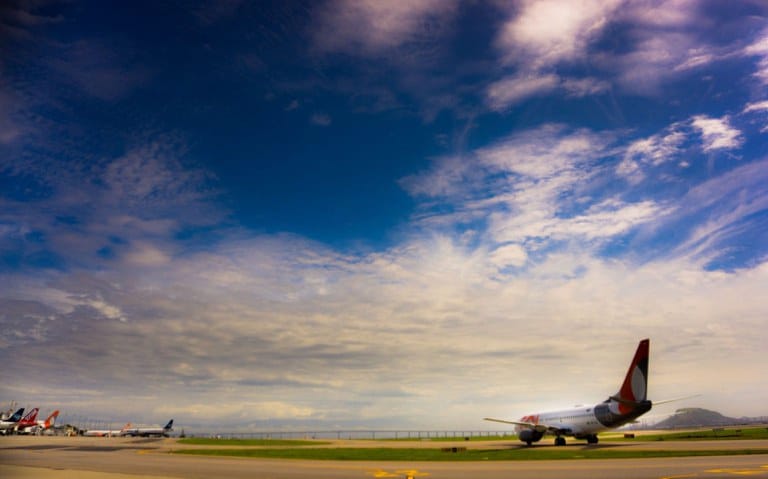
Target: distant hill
{"x": 697, "y": 417}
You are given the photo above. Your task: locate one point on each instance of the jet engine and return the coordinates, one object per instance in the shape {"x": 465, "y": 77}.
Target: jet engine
{"x": 529, "y": 436}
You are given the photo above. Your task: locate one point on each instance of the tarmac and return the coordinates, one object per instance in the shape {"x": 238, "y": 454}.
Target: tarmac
{"x": 127, "y": 458}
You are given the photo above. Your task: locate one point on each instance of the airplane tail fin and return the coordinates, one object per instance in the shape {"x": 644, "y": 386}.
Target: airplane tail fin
{"x": 169, "y": 426}
{"x": 635, "y": 386}
{"x": 51, "y": 420}
{"x": 16, "y": 417}
{"x": 31, "y": 416}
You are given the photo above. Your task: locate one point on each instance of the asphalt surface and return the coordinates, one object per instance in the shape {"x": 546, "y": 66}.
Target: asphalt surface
{"x": 124, "y": 458}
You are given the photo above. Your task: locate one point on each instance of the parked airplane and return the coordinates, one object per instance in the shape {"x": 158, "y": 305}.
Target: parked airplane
{"x": 107, "y": 432}
{"x": 27, "y": 421}
{"x": 11, "y": 421}
{"x": 146, "y": 431}
{"x": 40, "y": 425}
{"x": 585, "y": 422}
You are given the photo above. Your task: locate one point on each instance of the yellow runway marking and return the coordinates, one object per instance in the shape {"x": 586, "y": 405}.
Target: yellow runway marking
{"x": 740, "y": 472}
{"x": 407, "y": 473}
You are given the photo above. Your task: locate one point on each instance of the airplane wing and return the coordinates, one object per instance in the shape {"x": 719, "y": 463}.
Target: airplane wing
{"x": 529, "y": 425}
{"x": 538, "y": 427}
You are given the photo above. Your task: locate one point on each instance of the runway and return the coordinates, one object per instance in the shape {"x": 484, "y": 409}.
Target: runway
{"x": 122, "y": 458}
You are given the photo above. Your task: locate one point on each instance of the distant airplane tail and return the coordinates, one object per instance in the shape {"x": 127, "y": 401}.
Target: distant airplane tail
{"x": 16, "y": 417}
{"x": 169, "y": 426}
{"x": 51, "y": 420}
{"x": 634, "y": 389}
{"x": 30, "y": 417}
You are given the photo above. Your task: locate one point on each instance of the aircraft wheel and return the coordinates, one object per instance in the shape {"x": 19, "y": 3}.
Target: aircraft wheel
{"x": 559, "y": 441}
{"x": 592, "y": 439}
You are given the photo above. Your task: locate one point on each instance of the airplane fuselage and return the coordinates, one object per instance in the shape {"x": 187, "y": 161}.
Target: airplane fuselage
{"x": 583, "y": 422}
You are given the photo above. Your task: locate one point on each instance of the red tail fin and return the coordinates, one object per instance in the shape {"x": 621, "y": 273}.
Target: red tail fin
{"x": 51, "y": 420}
{"x": 29, "y": 419}
{"x": 634, "y": 388}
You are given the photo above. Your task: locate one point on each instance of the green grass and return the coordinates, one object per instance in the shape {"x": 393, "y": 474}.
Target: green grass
{"x": 701, "y": 435}
{"x": 199, "y": 441}
{"x": 427, "y": 454}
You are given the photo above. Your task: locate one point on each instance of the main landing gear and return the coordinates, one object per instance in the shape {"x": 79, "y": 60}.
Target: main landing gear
{"x": 591, "y": 439}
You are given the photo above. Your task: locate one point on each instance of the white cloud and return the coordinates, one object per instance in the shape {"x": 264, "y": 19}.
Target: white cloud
{"x": 759, "y": 48}
{"x": 757, "y": 106}
{"x": 652, "y": 151}
{"x": 717, "y": 133}
{"x": 108, "y": 310}
{"x": 546, "y": 32}
{"x": 511, "y": 90}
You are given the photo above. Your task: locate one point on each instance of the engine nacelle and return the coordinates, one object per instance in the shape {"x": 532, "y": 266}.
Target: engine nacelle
{"x": 530, "y": 435}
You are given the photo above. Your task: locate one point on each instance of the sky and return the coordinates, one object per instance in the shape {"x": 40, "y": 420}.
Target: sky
{"x": 371, "y": 214}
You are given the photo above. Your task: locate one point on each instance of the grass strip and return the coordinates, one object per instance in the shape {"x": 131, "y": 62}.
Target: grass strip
{"x": 424, "y": 454}
{"x": 701, "y": 435}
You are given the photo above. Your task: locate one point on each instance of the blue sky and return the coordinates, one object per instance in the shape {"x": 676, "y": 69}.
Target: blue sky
{"x": 380, "y": 214}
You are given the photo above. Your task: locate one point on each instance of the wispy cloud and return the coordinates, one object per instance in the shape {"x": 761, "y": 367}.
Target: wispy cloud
{"x": 372, "y": 28}
{"x": 10, "y": 128}
{"x": 320, "y": 119}
{"x": 508, "y": 91}
{"x": 759, "y": 49}
{"x": 99, "y": 70}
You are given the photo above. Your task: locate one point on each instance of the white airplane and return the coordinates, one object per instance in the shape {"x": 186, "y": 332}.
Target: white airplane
{"x": 146, "y": 431}
{"x": 107, "y": 432}
{"x": 10, "y": 422}
{"x": 585, "y": 422}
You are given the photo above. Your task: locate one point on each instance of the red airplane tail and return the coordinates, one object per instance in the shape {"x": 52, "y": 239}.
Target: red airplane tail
{"x": 51, "y": 420}
{"x": 634, "y": 389}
